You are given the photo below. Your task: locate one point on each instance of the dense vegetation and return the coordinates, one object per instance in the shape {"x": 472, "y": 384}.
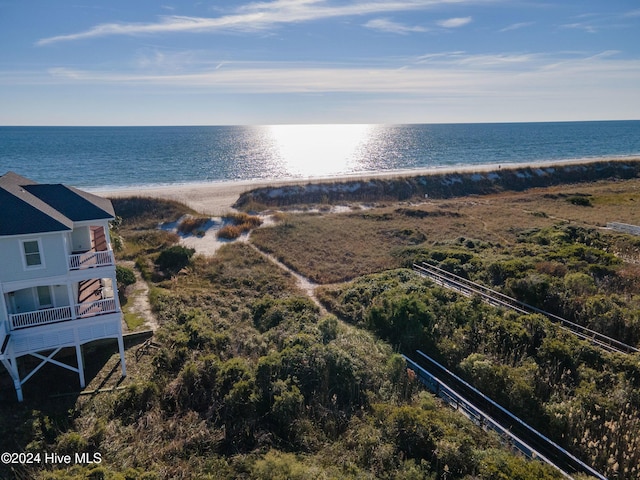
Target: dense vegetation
{"x": 564, "y": 269}
{"x": 544, "y": 247}
{"x": 585, "y": 399}
{"x": 251, "y": 379}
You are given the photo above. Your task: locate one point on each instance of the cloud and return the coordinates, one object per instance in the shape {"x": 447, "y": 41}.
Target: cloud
{"x": 259, "y": 16}
{"x": 390, "y": 26}
{"x": 632, "y": 13}
{"x": 455, "y": 22}
{"x": 163, "y": 59}
{"x": 455, "y": 74}
{"x": 254, "y": 17}
{"x": 597, "y": 23}
{"x": 587, "y": 27}
{"x": 516, "y": 26}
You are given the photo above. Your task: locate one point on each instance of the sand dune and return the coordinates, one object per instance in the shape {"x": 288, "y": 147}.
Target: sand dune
{"x": 217, "y": 198}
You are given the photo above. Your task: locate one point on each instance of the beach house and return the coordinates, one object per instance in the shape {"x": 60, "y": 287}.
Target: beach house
{"x": 57, "y": 277}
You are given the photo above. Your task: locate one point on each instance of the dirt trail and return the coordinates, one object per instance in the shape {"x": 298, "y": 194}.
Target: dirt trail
{"x": 303, "y": 283}
{"x": 208, "y": 243}
{"x": 138, "y": 301}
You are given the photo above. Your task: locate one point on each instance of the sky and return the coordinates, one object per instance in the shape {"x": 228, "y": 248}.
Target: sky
{"x": 243, "y": 62}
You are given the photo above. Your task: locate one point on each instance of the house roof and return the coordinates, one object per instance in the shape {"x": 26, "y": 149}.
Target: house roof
{"x": 27, "y": 207}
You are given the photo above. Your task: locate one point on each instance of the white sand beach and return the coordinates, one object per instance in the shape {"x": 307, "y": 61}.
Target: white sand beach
{"x": 217, "y": 198}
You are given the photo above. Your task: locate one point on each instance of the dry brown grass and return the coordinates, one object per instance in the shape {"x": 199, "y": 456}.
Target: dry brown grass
{"x": 334, "y": 247}
{"x": 137, "y": 227}
{"x": 229, "y": 232}
{"x": 337, "y": 247}
{"x": 238, "y": 223}
{"x": 251, "y": 221}
{"x": 145, "y": 212}
{"x": 191, "y": 225}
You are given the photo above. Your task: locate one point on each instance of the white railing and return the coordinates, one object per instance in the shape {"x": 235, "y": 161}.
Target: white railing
{"x": 40, "y": 317}
{"x": 61, "y": 314}
{"x": 91, "y": 260}
{"x": 99, "y": 307}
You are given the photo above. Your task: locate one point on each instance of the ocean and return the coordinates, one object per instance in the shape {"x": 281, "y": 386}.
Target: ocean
{"x": 126, "y": 157}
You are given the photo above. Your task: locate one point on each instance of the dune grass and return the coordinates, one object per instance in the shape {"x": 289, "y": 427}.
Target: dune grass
{"x": 146, "y": 212}
{"x": 330, "y": 248}
{"x": 237, "y": 224}
{"x": 252, "y": 381}
{"x": 192, "y": 225}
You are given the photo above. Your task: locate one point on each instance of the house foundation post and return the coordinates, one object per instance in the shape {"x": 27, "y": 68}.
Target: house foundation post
{"x": 121, "y": 349}
{"x": 116, "y": 299}
{"x": 12, "y": 367}
{"x": 80, "y": 365}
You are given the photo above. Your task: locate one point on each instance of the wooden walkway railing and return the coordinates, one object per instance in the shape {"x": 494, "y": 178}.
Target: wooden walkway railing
{"x": 498, "y": 299}
{"x": 624, "y": 227}
{"x": 489, "y": 415}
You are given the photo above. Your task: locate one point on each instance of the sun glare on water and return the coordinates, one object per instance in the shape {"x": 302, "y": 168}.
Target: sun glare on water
{"x": 319, "y": 150}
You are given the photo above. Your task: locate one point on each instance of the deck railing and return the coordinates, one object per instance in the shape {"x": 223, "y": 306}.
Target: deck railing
{"x": 99, "y": 307}
{"x": 91, "y": 259}
{"x": 62, "y": 314}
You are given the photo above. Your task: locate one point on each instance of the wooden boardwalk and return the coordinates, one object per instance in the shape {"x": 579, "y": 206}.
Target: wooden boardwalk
{"x": 498, "y": 299}
{"x": 489, "y": 415}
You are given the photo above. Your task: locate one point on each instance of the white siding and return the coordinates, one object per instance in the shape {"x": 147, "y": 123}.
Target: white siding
{"x": 53, "y": 254}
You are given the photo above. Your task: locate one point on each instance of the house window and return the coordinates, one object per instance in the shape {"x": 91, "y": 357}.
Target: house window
{"x": 32, "y": 255}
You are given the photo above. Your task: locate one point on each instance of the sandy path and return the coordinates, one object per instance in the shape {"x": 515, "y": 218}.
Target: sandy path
{"x": 138, "y": 300}
{"x": 303, "y": 283}
{"x": 207, "y": 244}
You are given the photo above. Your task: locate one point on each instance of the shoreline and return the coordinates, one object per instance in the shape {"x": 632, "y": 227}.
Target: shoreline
{"x": 217, "y": 197}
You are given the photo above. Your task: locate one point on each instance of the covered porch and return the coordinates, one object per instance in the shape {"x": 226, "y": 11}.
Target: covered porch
{"x": 90, "y": 248}
{"x": 47, "y": 304}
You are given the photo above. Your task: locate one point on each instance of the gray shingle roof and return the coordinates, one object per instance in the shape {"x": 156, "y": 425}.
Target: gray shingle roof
{"x": 27, "y": 207}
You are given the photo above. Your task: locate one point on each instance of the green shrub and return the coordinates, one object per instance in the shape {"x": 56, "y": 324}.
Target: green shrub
{"x": 134, "y": 400}
{"x": 70, "y": 443}
{"x": 175, "y": 258}
{"x": 124, "y": 277}
{"x": 288, "y": 403}
{"x": 283, "y": 466}
{"x": 328, "y": 327}
{"x": 580, "y": 201}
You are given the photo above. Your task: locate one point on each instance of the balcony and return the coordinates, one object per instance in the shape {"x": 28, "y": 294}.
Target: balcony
{"x": 62, "y": 314}
{"x": 91, "y": 259}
